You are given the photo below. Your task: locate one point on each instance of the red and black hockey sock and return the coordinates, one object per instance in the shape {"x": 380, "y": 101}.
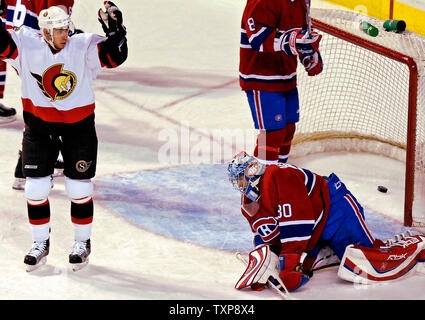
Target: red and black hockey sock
{"x": 39, "y": 219}
{"x": 82, "y": 217}
{"x": 38, "y": 211}
{"x": 82, "y": 211}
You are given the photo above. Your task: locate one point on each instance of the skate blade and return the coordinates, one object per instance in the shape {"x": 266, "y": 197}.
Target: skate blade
{"x": 4, "y": 120}
{"x": 18, "y": 187}
{"x": 19, "y": 184}
{"x": 78, "y": 266}
{"x": 42, "y": 262}
{"x": 58, "y": 173}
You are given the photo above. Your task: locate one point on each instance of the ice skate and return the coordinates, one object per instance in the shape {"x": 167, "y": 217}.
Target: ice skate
{"x": 19, "y": 184}
{"x": 7, "y": 114}
{"x": 326, "y": 258}
{"x": 59, "y": 166}
{"x": 79, "y": 257}
{"x": 36, "y": 257}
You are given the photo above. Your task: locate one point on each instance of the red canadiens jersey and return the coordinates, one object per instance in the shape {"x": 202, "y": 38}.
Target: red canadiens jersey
{"x": 25, "y": 12}
{"x": 261, "y": 67}
{"x": 292, "y": 210}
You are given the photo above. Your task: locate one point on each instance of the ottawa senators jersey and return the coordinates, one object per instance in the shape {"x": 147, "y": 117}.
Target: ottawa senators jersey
{"x": 292, "y": 209}
{"x": 260, "y": 66}
{"x": 56, "y": 87}
{"x": 25, "y": 12}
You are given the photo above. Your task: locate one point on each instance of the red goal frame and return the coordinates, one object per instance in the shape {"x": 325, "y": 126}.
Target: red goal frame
{"x": 412, "y": 103}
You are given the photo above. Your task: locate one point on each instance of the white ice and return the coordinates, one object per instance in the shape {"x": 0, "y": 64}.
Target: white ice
{"x": 181, "y": 73}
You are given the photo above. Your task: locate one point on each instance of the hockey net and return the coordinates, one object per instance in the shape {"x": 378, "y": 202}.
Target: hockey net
{"x": 370, "y": 97}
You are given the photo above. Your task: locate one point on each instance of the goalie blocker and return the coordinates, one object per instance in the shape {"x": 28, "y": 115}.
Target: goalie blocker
{"x": 390, "y": 261}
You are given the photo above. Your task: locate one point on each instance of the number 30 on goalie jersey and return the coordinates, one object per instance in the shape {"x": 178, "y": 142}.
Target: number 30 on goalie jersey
{"x": 291, "y": 204}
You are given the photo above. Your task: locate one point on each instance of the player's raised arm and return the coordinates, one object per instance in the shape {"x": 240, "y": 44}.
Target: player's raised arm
{"x": 112, "y": 52}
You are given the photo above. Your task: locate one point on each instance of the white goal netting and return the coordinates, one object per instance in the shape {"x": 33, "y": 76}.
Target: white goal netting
{"x": 360, "y": 102}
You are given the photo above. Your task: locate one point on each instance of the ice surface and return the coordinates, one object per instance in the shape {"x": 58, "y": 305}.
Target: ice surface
{"x": 159, "y": 224}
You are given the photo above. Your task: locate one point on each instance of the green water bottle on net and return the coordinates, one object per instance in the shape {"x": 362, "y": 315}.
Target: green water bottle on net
{"x": 395, "y": 25}
{"x": 369, "y": 28}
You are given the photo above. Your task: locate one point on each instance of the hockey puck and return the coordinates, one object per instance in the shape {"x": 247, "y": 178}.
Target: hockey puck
{"x": 382, "y": 189}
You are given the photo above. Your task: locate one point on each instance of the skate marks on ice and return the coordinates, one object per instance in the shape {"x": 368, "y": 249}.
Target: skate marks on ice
{"x": 151, "y": 102}
{"x": 116, "y": 282}
{"x": 157, "y": 89}
{"x": 168, "y": 77}
{"x": 195, "y": 204}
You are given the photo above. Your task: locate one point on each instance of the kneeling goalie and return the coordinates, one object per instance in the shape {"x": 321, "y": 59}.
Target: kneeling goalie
{"x": 298, "y": 217}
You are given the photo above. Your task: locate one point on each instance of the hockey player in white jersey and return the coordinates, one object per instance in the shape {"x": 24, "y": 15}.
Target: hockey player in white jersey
{"x": 58, "y": 101}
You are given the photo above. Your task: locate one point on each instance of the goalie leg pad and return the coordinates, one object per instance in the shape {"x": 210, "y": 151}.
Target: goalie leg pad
{"x": 262, "y": 264}
{"x": 389, "y": 262}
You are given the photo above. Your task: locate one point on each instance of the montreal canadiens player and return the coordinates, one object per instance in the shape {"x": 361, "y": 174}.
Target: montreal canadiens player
{"x": 17, "y": 13}
{"x": 274, "y": 35}
{"x": 58, "y": 100}
{"x": 295, "y": 213}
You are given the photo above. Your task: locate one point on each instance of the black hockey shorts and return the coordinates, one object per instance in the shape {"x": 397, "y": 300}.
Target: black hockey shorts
{"x": 78, "y": 146}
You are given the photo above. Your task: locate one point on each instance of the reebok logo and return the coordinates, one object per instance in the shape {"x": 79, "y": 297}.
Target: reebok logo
{"x": 395, "y": 257}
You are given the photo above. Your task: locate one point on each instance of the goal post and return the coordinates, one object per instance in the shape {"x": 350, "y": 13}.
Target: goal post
{"x": 371, "y": 96}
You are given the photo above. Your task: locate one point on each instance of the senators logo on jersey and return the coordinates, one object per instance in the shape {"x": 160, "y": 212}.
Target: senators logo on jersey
{"x": 56, "y": 83}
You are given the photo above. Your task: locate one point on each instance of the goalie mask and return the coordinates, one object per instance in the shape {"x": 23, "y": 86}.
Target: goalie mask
{"x": 244, "y": 172}
{"x": 54, "y": 18}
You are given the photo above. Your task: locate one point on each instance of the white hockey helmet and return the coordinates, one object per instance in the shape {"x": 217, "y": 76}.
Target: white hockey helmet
{"x": 54, "y": 18}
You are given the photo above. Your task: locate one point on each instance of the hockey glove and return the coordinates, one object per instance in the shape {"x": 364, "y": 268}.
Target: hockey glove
{"x": 306, "y": 46}
{"x": 262, "y": 265}
{"x": 111, "y": 20}
{"x": 3, "y": 7}
{"x": 290, "y": 271}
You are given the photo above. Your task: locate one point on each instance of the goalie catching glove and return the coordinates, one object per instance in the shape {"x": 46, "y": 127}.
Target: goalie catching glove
{"x": 111, "y": 20}
{"x": 264, "y": 265}
{"x": 305, "y": 45}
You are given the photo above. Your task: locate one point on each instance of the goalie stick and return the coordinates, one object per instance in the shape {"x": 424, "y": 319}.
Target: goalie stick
{"x": 284, "y": 295}
{"x": 308, "y": 18}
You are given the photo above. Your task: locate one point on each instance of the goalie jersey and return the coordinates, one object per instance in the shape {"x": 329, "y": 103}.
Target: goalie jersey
{"x": 261, "y": 67}
{"x": 56, "y": 86}
{"x": 292, "y": 210}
